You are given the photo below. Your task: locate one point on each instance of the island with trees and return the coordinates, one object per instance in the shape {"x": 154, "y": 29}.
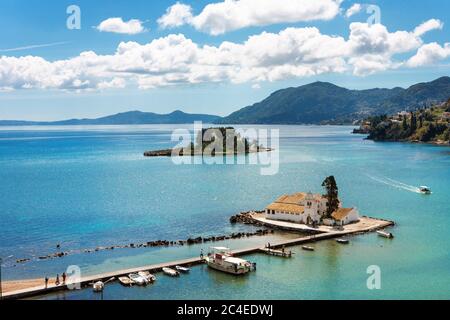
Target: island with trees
{"x": 214, "y": 142}
{"x": 427, "y": 125}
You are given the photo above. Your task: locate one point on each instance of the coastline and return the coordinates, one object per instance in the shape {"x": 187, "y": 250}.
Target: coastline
{"x": 18, "y": 289}
{"x": 430, "y": 143}
{"x": 434, "y": 143}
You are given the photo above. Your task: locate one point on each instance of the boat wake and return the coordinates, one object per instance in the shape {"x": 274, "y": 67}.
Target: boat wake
{"x": 395, "y": 184}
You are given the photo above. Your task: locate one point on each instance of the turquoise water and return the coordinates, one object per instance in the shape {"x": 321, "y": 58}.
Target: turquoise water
{"x": 91, "y": 186}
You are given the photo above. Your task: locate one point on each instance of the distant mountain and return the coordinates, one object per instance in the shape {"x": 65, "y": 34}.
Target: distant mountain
{"x": 323, "y": 102}
{"x": 132, "y": 117}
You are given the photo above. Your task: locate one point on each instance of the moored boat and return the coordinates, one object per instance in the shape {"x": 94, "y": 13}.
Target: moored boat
{"x": 148, "y": 276}
{"x": 170, "y": 272}
{"x": 385, "y": 234}
{"x": 343, "y": 241}
{"x": 308, "y": 248}
{"x": 126, "y": 281}
{"x": 182, "y": 269}
{"x": 98, "y": 286}
{"x": 222, "y": 260}
{"x": 137, "y": 279}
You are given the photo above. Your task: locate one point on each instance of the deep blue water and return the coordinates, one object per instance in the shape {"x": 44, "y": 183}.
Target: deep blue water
{"x": 85, "y": 187}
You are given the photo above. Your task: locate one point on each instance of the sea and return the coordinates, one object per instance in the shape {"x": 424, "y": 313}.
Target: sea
{"x": 73, "y": 188}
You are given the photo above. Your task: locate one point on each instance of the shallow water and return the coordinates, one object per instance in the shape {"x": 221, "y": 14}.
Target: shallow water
{"x": 85, "y": 187}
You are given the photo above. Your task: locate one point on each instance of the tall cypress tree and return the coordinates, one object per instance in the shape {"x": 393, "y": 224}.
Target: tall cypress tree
{"x": 332, "y": 195}
{"x": 413, "y": 123}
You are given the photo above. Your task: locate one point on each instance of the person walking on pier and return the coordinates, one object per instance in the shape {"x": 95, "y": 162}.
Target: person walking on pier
{"x": 64, "y": 276}
{"x": 201, "y": 254}
{"x": 46, "y": 282}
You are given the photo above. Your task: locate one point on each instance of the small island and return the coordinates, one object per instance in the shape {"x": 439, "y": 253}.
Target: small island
{"x": 220, "y": 141}
{"x": 428, "y": 125}
{"x": 310, "y": 213}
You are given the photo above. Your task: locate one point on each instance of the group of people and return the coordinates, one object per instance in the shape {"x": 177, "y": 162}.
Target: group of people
{"x": 57, "y": 280}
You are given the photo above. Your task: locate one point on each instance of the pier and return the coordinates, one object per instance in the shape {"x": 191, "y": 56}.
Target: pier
{"x": 365, "y": 225}
{"x": 277, "y": 253}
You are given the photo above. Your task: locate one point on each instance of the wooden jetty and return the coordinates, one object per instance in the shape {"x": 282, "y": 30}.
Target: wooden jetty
{"x": 274, "y": 247}
{"x": 277, "y": 253}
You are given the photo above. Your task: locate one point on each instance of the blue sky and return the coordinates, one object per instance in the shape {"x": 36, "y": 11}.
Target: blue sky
{"x": 43, "y": 76}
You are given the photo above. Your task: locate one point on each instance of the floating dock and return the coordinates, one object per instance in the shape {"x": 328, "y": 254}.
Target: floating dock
{"x": 367, "y": 225}
{"x": 277, "y": 253}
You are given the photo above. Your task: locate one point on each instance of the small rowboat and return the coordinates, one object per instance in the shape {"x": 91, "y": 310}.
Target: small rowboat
{"x": 182, "y": 269}
{"x": 342, "y": 241}
{"x": 385, "y": 234}
{"x": 98, "y": 286}
{"x": 171, "y": 272}
{"x": 308, "y": 248}
{"x": 148, "y": 276}
{"x": 126, "y": 281}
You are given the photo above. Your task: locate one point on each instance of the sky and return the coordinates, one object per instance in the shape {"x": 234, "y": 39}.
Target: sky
{"x": 85, "y": 59}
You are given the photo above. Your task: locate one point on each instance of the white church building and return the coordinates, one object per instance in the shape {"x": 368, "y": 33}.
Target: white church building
{"x": 308, "y": 208}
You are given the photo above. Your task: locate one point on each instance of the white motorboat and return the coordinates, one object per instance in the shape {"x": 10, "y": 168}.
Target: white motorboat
{"x": 182, "y": 269}
{"x": 137, "y": 279}
{"x": 385, "y": 234}
{"x": 221, "y": 259}
{"x": 170, "y": 272}
{"x": 148, "y": 276}
{"x": 126, "y": 281}
{"x": 98, "y": 286}
{"x": 343, "y": 241}
{"x": 425, "y": 190}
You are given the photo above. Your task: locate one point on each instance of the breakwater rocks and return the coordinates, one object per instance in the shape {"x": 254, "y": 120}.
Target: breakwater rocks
{"x": 246, "y": 218}
{"x": 155, "y": 244}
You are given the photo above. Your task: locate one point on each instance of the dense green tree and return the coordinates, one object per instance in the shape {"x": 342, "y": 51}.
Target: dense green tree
{"x": 413, "y": 126}
{"x": 332, "y": 195}
{"x": 404, "y": 124}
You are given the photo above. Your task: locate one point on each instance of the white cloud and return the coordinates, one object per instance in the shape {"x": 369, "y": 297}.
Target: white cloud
{"x": 429, "y": 54}
{"x": 115, "y": 83}
{"x": 354, "y": 9}
{"x": 177, "y": 60}
{"x": 376, "y": 39}
{"x": 221, "y": 17}
{"x": 427, "y": 26}
{"x": 176, "y": 16}
{"x": 117, "y": 25}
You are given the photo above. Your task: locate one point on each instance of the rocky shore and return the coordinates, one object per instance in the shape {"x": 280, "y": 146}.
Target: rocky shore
{"x": 246, "y": 218}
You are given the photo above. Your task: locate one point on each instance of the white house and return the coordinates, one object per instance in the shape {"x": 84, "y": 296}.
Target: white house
{"x": 300, "y": 207}
{"x": 345, "y": 216}
{"x": 308, "y": 208}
